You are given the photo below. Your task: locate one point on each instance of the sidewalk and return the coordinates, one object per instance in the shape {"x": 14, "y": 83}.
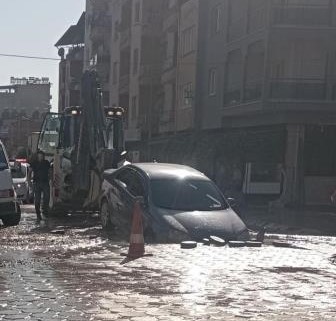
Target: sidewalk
{"x": 291, "y": 221}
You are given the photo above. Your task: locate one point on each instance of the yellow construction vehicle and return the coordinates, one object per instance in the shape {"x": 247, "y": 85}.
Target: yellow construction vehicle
{"x": 81, "y": 143}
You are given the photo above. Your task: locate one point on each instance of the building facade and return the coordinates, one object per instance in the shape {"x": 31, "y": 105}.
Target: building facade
{"x": 270, "y": 67}
{"x": 136, "y": 66}
{"x": 23, "y": 105}
{"x": 25, "y": 96}
{"x": 71, "y": 50}
{"x": 243, "y": 90}
{"x": 97, "y": 54}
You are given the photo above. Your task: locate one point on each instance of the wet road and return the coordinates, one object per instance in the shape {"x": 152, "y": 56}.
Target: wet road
{"x": 69, "y": 270}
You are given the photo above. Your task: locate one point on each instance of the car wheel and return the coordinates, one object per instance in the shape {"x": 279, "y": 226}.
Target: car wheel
{"x": 13, "y": 220}
{"x": 105, "y": 215}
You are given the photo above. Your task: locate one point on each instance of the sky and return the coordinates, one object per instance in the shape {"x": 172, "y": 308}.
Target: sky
{"x": 32, "y": 27}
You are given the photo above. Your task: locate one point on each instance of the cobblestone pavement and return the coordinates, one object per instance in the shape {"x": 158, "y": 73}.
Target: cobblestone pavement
{"x": 69, "y": 270}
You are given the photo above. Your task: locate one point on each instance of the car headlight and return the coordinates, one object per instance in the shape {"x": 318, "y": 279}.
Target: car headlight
{"x": 18, "y": 186}
{"x": 176, "y": 231}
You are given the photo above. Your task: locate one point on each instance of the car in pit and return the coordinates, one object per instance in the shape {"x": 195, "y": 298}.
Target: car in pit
{"x": 178, "y": 203}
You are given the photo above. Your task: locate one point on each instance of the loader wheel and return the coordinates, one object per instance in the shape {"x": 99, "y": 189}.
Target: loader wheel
{"x": 105, "y": 216}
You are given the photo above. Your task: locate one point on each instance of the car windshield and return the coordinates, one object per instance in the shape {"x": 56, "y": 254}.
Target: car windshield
{"x": 20, "y": 172}
{"x": 3, "y": 161}
{"x": 187, "y": 195}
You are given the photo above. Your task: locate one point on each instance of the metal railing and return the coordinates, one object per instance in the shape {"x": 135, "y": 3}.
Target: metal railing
{"x": 298, "y": 89}
{"x": 301, "y": 15}
{"x": 125, "y": 37}
{"x": 232, "y": 97}
{"x": 253, "y": 90}
{"x": 166, "y": 116}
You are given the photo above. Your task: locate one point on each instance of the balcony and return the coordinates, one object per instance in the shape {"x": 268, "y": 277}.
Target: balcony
{"x": 101, "y": 26}
{"x": 232, "y": 97}
{"x": 124, "y": 83}
{"x": 302, "y": 15}
{"x": 149, "y": 74}
{"x": 169, "y": 63}
{"x": 298, "y": 89}
{"x": 167, "y": 121}
{"x": 125, "y": 38}
{"x": 103, "y": 70}
{"x": 253, "y": 90}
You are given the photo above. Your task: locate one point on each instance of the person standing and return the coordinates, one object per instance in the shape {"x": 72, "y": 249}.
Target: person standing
{"x": 40, "y": 169}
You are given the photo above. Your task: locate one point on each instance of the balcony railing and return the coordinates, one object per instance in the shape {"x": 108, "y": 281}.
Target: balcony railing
{"x": 166, "y": 116}
{"x": 150, "y": 71}
{"x": 298, "y": 89}
{"x": 125, "y": 36}
{"x": 124, "y": 83}
{"x": 169, "y": 63}
{"x": 232, "y": 97}
{"x": 302, "y": 15}
{"x": 253, "y": 90}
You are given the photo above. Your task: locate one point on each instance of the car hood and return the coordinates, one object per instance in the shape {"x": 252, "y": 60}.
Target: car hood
{"x": 200, "y": 224}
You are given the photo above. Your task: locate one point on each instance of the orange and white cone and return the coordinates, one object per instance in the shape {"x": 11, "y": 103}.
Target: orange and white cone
{"x": 137, "y": 241}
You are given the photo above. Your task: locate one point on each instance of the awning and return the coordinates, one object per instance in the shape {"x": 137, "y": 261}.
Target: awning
{"x": 75, "y": 35}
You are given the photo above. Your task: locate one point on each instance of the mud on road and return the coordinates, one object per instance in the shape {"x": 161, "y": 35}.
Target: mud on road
{"x": 68, "y": 269}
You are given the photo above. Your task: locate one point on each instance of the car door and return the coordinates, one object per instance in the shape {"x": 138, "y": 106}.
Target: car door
{"x": 130, "y": 185}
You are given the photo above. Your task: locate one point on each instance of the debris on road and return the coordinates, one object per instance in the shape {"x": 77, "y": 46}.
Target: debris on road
{"x": 188, "y": 245}
{"x": 217, "y": 241}
{"x": 253, "y": 244}
{"x": 58, "y": 232}
{"x": 236, "y": 244}
{"x": 206, "y": 241}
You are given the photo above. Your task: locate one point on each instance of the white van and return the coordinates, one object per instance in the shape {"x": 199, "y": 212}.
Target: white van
{"x": 10, "y": 212}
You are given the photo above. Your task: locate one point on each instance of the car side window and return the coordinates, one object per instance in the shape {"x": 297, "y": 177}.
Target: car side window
{"x": 136, "y": 188}
{"x": 132, "y": 182}
{"x": 124, "y": 178}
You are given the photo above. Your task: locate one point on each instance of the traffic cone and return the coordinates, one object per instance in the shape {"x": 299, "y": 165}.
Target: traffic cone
{"x": 137, "y": 241}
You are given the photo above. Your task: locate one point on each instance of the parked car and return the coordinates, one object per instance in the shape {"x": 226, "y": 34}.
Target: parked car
{"x": 179, "y": 203}
{"x": 10, "y": 212}
{"x": 22, "y": 185}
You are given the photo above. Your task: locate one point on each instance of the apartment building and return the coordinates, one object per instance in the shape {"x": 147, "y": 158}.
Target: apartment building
{"x": 98, "y": 31}
{"x": 243, "y": 90}
{"x": 136, "y": 66}
{"x": 23, "y": 105}
{"x": 71, "y": 51}
{"x": 26, "y": 96}
{"x": 270, "y": 70}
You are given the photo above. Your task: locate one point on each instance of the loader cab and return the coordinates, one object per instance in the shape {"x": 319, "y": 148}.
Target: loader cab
{"x": 59, "y": 131}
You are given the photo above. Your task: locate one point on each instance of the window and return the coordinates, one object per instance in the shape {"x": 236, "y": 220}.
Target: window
{"x": 187, "y": 94}
{"x": 137, "y": 12}
{"x": 135, "y": 61}
{"x": 115, "y": 72}
{"x": 215, "y": 20}
{"x": 134, "y": 108}
{"x": 212, "y": 82}
{"x": 131, "y": 182}
{"x": 187, "y": 195}
{"x": 188, "y": 41}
